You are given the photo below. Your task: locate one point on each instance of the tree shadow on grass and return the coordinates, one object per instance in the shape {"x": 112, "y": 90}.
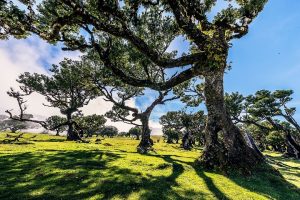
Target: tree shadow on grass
{"x": 81, "y": 175}
{"x": 265, "y": 182}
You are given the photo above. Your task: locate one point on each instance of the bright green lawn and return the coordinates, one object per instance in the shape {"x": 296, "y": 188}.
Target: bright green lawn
{"x": 47, "y": 167}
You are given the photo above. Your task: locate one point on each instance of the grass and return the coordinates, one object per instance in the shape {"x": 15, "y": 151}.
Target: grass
{"x": 48, "y": 167}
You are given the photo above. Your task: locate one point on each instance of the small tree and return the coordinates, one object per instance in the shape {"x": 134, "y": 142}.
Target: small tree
{"x": 171, "y": 135}
{"x": 190, "y": 124}
{"x": 67, "y": 89}
{"x": 12, "y": 125}
{"x": 136, "y": 132}
{"x": 263, "y": 110}
{"x": 90, "y": 124}
{"x": 109, "y": 131}
{"x": 56, "y": 121}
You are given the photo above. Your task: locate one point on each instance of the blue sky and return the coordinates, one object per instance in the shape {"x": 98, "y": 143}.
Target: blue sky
{"x": 269, "y": 56}
{"x": 266, "y": 58}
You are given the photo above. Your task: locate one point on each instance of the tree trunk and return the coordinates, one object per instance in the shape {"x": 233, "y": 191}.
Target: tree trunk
{"x": 187, "y": 140}
{"x": 225, "y": 146}
{"x": 57, "y": 132}
{"x": 71, "y": 134}
{"x": 293, "y": 149}
{"x": 146, "y": 142}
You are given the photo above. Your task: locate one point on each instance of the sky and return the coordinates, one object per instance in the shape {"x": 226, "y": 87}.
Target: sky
{"x": 266, "y": 58}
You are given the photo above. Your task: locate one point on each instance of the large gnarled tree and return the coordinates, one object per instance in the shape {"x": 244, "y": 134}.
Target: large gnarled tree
{"x": 115, "y": 28}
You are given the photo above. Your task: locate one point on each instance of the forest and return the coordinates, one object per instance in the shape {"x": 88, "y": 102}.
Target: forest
{"x": 214, "y": 144}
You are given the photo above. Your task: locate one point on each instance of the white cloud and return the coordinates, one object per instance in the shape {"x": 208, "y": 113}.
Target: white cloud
{"x": 35, "y": 55}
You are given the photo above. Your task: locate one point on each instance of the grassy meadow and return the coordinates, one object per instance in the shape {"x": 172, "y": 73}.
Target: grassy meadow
{"x": 48, "y": 167}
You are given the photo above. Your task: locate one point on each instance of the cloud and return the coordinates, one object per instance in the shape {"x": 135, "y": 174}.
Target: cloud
{"x": 34, "y": 55}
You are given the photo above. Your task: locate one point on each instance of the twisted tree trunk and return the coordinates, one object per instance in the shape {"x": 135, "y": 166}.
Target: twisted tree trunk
{"x": 225, "y": 146}
{"x": 187, "y": 140}
{"x": 293, "y": 149}
{"x": 71, "y": 134}
{"x": 146, "y": 142}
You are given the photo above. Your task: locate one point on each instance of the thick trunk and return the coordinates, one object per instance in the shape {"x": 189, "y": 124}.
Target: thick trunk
{"x": 225, "y": 145}
{"x": 71, "y": 133}
{"x": 187, "y": 140}
{"x": 146, "y": 142}
{"x": 57, "y": 132}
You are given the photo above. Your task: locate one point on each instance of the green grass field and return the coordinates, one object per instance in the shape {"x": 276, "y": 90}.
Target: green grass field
{"x": 48, "y": 167}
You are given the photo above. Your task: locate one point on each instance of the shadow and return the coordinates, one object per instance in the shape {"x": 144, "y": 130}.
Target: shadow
{"x": 83, "y": 175}
{"x": 210, "y": 184}
{"x": 269, "y": 182}
{"x": 94, "y": 174}
{"x": 48, "y": 140}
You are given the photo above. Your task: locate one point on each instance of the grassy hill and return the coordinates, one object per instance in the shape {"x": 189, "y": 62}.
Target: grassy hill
{"x": 48, "y": 167}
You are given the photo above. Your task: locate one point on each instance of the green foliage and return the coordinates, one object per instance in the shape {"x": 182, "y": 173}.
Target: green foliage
{"x": 175, "y": 122}
{"x": 13, "y": 125}
{"x": 91, "y": 124}
{"x": 67, "y": 88}
{"x": 135, "y": 131}
{"x": 55, "y": 121}
{"x": 109, "y": 131}
{"x": 276, "y": 140}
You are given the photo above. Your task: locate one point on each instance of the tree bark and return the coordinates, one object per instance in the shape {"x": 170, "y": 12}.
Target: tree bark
{"x": 187, "y": 140}
{"x": 293, "y": 149}
{"x": 225, "y": 146}
{"x": 71, "y": 134}
{"x": 146, "y": 142}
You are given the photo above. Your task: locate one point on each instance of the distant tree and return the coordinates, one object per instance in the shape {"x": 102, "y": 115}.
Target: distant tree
{"x": 172, "y": 126}
{"x": 276, "y": 140}
{"x": 187, "y": 125}
{"x": 267, "y": 105}
{"x": 67, "y": 89}
{"x": 136, "y": 132}
{"x": 12, "y": 125}
{"x": 172, "y": 135}
{"x": 90, "y": 124}
{"x": 262, "y": 110}
{"x": 124, "y": 134}
{"x": 109, "y": 131}
{"x": 56, "y": 121}
{"x": 2, "y": 117}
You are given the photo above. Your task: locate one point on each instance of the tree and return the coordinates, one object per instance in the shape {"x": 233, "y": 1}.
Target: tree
{"x": 119, "y": 93}
{"x": 90, "y": 124}
{"x": 12, "y": 125}
{"x": 190, "y": 124}
{"x": 135, "y": 131}
{"x": 124, "y": 134}
{"x": 262, "y": 110}
{"x": 109, "y": 131}
{"x": 127, "y": 39}
{"x": 172, "y": 135}
{"x": 55, "y": 121}
{"x": 267, "y": 105}
{"x": 66, "y": 89}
